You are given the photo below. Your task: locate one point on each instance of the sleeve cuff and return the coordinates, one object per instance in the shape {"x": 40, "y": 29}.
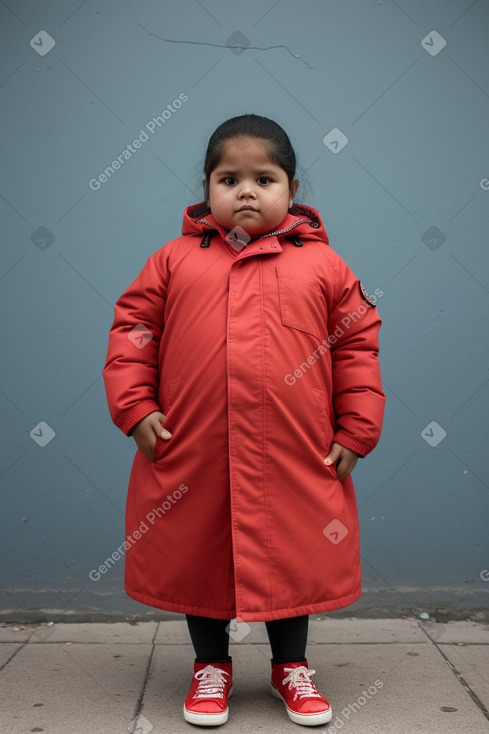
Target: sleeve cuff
{"x": 345, "y": 439}
{"x": 128, "y": 420}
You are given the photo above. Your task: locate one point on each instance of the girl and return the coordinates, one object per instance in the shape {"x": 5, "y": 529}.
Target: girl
{"x": 243, "y": 361}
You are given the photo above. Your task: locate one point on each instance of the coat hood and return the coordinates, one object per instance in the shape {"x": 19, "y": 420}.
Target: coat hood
{"x": 300, "y": 221}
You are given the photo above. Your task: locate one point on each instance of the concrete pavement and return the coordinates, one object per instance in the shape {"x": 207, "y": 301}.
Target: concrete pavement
{"x": 394, "y": 676}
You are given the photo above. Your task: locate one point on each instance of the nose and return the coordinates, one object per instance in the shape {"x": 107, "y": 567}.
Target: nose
{"x": 246, "y": 191}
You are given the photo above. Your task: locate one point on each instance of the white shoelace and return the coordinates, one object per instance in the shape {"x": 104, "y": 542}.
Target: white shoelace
{"x": 211, "y": 682}
{"x": 299, "y": 679}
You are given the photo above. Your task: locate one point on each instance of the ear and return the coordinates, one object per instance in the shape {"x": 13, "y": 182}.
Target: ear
{"x": 293, "y": 191}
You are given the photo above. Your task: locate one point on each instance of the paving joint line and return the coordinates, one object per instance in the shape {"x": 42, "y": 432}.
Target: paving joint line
{"x": 254, "y": 644}
{"x": 139, "y": 703}
{"x": 21, "y": 647}
{"x": 475, "y": 698}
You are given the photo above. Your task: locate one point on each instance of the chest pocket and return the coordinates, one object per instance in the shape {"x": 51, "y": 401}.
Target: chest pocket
{"x": 302, "y": 304}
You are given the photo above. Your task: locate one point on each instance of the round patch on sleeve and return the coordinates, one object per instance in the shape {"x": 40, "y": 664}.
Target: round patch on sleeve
{"x": 365, "y": 295}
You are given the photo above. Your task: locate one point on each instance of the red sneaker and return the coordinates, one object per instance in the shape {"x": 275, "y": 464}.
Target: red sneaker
{"x": 292, "y": 683}
{"x": 207, "y": 700}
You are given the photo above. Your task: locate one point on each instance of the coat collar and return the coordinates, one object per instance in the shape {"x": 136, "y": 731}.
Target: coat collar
{"x": 300, "y": 221}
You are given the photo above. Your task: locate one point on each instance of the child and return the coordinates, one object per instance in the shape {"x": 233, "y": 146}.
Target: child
{"x": 243, "y": 361}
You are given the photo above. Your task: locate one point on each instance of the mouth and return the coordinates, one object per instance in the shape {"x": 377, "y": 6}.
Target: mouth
{"x": 247, "y": 208}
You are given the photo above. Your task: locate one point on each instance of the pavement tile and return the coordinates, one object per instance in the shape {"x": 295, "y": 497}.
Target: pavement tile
{"x": 59, "y": 688}
{"x": 123, "y": 632}
{"x": 7, "y": 649}
{"x": 417, "y": 687}
{"x": 172, "y": 633}
{"x": 472, "y": 662}
{"x": 455, "y": 632}
{"x": 15, "y": 633}
{"x": 365, "y": 630}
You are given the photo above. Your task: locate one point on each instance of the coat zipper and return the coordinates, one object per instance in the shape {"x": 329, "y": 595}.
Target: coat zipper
{"x": 264, "y": 236}
{"x": 284, "y": 231}
{"x": 204, "y": 221}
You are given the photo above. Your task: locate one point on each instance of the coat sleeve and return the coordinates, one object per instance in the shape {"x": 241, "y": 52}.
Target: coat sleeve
{"x": 131, "y": 367}
{"x": 358, "y": 398}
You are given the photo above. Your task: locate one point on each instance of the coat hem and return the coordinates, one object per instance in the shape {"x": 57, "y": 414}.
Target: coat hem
{"x": 241, "y": 615}
{"x": 319, "y": 608}
{"x": 170, "y": 606}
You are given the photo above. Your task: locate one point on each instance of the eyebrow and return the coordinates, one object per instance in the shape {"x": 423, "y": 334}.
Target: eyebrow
{"x": 266, "y": 172}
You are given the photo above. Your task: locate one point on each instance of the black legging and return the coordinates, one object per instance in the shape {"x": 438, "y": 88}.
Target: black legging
{"x": 288, "y": 639}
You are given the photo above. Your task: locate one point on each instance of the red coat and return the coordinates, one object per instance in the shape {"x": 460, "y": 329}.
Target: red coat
{"x": 259, "y": 357}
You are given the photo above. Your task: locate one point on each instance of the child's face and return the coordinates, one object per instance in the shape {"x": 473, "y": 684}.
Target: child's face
{"x": 247, "y": 189}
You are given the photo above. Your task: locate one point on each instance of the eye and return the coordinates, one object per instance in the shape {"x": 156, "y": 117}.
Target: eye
{"x": 264, "y": 180}
{"x": 229, "y": 180}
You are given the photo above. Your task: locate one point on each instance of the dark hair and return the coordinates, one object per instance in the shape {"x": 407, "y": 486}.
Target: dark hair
{"x": 254, "y": 126}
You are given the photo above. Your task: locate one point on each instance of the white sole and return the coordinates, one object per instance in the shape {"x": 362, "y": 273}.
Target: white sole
{"x": 206, "y": 719}
{"x": 304, "y": 719}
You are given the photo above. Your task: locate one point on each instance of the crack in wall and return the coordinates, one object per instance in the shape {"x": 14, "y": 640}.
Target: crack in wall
{"x": 220, "y": 45}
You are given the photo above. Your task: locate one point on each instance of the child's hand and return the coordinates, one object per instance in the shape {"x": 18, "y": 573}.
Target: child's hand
{"x": 345, "y": 459}
{"x": 147, "y": 431}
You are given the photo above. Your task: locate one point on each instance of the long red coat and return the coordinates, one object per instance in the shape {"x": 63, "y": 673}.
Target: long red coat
{"x": 260, "y": 357}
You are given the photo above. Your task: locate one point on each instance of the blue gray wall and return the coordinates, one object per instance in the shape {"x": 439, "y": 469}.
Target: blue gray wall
{"x": 403, "y": 87}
